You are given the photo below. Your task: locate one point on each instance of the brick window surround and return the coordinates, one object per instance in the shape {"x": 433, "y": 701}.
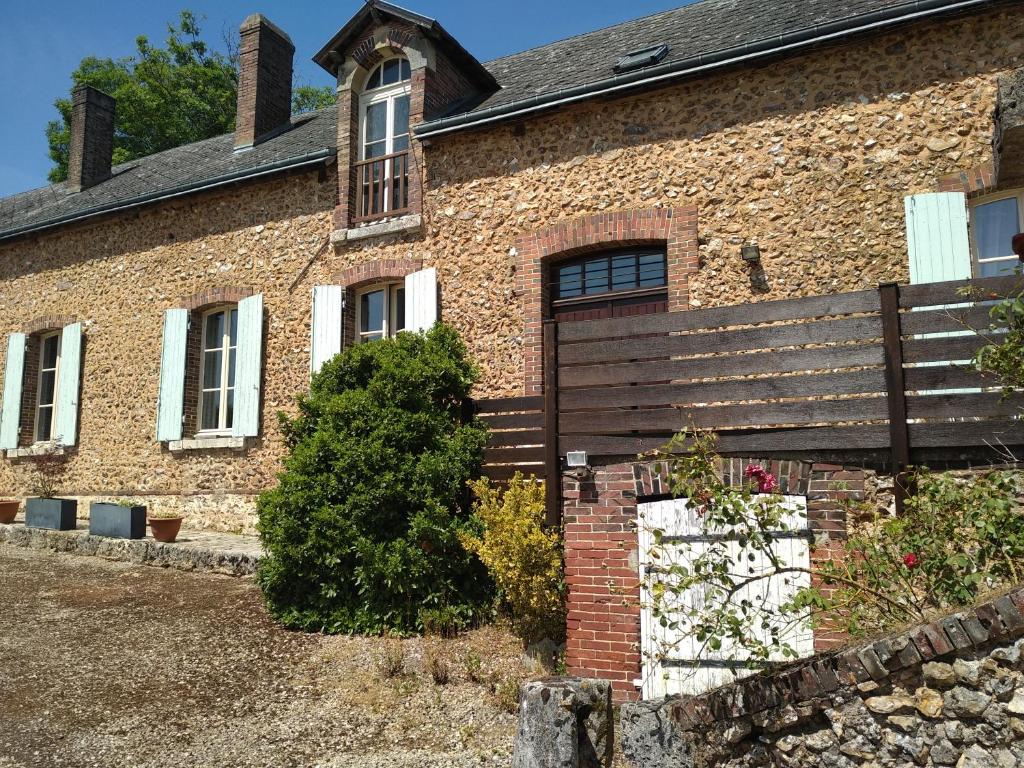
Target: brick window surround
{"x": 381, "y": 44}
{"x": 673, "y": 228}
{"x": 34, "y": 330}
{"x": 197, "y": 304}
{"x": 361, "y": 275}
{"x": 973, "y": 182}
{"x": 602, "y": 554}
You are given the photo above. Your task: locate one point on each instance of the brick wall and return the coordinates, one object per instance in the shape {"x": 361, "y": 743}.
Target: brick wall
{"x": 602, "y": 554}
{"x": 264, "y": 80}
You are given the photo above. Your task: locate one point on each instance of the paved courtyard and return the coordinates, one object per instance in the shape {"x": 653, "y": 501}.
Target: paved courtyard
{"x": 112, "y": 664}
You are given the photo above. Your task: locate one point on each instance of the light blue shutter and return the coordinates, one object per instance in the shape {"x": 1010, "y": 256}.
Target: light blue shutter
{"x": 328, "y": 306}
{"x": 248, "y": 366}
{"x": 10, "y": 414}
{"x": 421, "y": 300}
{"x": 937, "y": 240}
{"x": 171, "y": 403}
{"x": 68, "y": 385}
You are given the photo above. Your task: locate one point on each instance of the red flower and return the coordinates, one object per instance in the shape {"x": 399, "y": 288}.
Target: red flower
{"x": 753, "y": 470}
{"x": 910, "y": 560}
{"x": 766, "y": 483}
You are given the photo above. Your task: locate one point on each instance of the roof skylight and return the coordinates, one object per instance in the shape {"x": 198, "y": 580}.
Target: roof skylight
{"x": 642, "y": 58}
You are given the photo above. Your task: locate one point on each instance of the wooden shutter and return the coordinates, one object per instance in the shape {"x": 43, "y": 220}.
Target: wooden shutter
{"x": 68, "y": 385}
{"x": 421, "y": 300}
{"x": 248, "y": 367}
{"x": 170, "y": 405}
{"x": 10, "y": 411}
{"x": 328, "y": 306}
{"x": 937, "y": 240}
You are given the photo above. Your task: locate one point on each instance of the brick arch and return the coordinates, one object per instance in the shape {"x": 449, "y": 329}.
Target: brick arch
{"x": 675, "y": 228}
{"x": 225, "y": 294}
{"x": 372, "y": 271}
{"x": 48, "y": 323}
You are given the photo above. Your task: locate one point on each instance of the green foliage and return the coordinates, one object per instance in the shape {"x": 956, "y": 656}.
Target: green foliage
{"x": 956, "y": 536}
{"x": 166, "y": 97}
{"x": 363, "y": 527}
{"x": 1003, "y": 356}
{"x": 524, "y": 559}
{"x": 310, "y": 98}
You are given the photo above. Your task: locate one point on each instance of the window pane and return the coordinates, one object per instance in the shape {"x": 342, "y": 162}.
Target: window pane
{"x": 652, "y": 270}
{"x": 372, "y": 336}
{"x": 377, "y": 149}
{"x": 44, "y": 422}
{"x": 595, "y": 276}
{"x": 998, "y": 268}
{"x": 234, "y": 327}
{"x": 376, "y": 122}
{"x": 214, "y": 331}
{"x": 50, "y": 346}
{"x": 399, "y": 304}
{"x": 47, "y": 384}
{"x": 994, "y": 225}
{"x": 623, "y": 272}
{"x": 406, "y": 69}
{"x": 373, "y": 81}
{"x": 400, "y": 120}
{"x": 230, "y": 415}
{"x": 392, "y": 71}
{"x": 212, "y": 362}
{"x": 231, "y": 367}
{"x": 211, "y": 410}
{"x": 570, "y": 281}
{"x": 371, "y": 311}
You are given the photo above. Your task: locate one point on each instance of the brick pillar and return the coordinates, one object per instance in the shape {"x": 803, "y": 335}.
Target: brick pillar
{"x": 264, "y": 80}
{"x": 601, "y": 551}
{"x": 91, "y": 148}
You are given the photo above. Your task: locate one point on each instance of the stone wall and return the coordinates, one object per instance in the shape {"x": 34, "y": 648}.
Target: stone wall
{"x": 117, "y": 277}
{"x": 947, "y": 693}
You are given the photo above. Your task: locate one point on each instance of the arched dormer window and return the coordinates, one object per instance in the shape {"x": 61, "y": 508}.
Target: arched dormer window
{"x": 383, "y": 167}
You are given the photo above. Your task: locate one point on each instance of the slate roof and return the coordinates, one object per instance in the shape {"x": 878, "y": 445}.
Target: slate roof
{"x": 173, "y": 171}
{"x": 702, "y": 34}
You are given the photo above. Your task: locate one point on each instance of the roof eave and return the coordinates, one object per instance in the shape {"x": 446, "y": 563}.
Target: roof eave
{"x": 701, "y": 64}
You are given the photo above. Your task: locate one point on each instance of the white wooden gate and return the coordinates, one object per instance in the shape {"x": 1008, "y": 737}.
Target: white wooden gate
{"x": 674, "y": 662}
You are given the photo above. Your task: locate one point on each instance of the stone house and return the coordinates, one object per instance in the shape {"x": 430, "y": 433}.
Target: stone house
{"x": 157, "y": 314}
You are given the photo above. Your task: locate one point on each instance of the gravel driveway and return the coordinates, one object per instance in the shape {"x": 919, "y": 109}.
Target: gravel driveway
{"x": 110, "y": 664}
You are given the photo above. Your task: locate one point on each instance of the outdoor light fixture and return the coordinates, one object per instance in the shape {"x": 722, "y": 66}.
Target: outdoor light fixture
{"x": 751, "y": 253}
{"x": 576, "y": 458}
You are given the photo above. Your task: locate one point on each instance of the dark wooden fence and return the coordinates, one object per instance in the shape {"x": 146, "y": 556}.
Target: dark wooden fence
{"x": 515, "y": 441}
{"x": 877, "y": 373}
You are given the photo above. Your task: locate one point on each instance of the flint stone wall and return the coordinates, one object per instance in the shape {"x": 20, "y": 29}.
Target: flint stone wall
{"x": 947, "y": 693}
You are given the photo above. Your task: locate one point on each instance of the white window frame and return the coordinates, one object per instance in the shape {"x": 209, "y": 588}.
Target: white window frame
{"x": 1016, "y": 194}
{"x": 223, "y": 428}
{"x": 389, "y": 94}
{"x": 392, "y": 300}
{"x": 43, "y": 338}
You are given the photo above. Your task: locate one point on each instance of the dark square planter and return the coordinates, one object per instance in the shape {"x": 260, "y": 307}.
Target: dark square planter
{"x": 117, "y": 521}
{"x": 55, "y": 514}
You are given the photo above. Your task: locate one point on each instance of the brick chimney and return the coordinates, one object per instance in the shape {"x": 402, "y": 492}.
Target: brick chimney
{"x": 92, "y": 137}
{"x": 264, "y": 82}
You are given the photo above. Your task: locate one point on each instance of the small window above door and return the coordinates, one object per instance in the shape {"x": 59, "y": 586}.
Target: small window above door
{"x": 611, "y": 284}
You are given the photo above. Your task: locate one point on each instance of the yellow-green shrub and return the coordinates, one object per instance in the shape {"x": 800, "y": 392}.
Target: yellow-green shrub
{"x": 524, "y": 559}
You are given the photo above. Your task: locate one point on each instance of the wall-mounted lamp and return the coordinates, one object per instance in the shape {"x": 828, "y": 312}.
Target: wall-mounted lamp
{"x": 576, "y": 459}
{"x": 751, "y": 253}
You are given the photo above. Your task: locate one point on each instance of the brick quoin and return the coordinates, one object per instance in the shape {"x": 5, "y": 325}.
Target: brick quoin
{"x": 673, "y": 228}
{"x": 974, "y": 182}
{"x": 602, "y": 554}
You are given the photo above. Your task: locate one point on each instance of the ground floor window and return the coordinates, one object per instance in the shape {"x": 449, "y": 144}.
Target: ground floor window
{"x": 46, "y": 385}
{"x": 995, "y": 219}
{"x": 616, "y": 283}
{"x": 380, "y": 311}
{"x": 217, "y": 370}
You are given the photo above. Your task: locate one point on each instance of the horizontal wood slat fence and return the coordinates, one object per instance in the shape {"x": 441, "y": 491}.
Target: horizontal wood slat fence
{"x": 877, "y": 376}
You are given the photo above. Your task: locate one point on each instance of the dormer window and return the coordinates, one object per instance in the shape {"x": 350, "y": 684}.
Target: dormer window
{"x": 383, "y": 168}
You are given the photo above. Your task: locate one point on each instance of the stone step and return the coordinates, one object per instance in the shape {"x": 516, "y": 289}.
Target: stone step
{"x": 194, "y": 550}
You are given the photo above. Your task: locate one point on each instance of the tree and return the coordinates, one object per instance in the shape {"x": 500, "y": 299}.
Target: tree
{"x": 363, "y": 529}
{"x": 309, "y": 98}
{"x": 166, "y": 97}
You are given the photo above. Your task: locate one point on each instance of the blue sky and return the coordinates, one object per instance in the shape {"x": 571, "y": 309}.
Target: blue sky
{"x": 42, "y": 42}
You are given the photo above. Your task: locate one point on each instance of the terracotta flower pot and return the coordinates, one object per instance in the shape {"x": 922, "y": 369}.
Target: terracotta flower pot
{"x": 8, "y": 510}
{"x": 165, "y": 528}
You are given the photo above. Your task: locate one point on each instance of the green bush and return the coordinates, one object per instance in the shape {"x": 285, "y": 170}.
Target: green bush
{"x": 362, "y": 531}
